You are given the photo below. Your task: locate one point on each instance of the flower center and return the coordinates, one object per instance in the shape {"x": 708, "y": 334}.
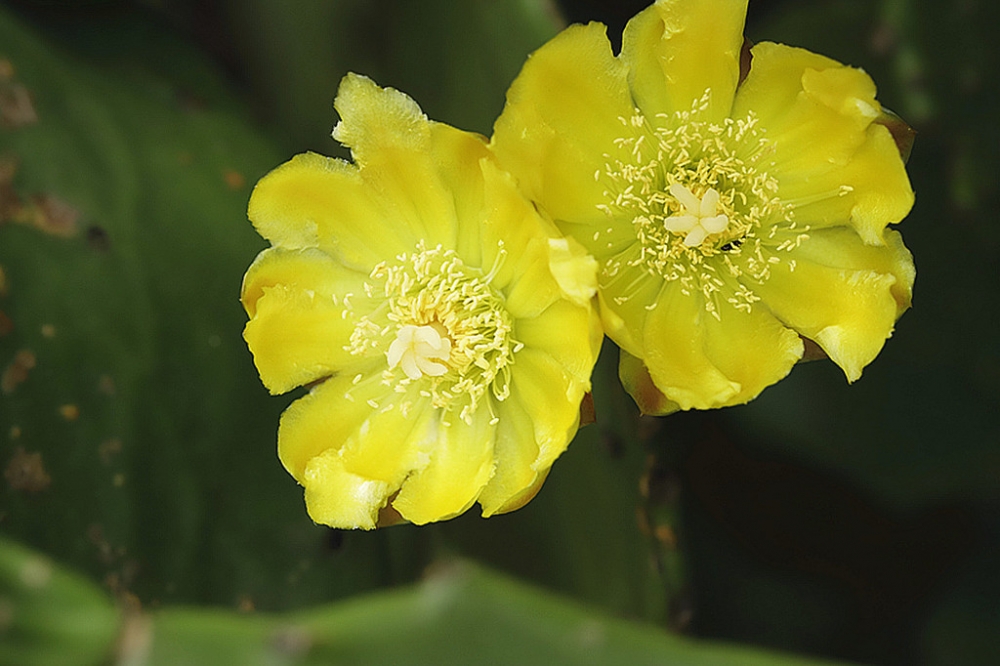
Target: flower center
{"x": 420, "y": 350}
{"x": 441, "y": 323}
{"x": 702, "y": 207}
{"x": 700, "y": 217}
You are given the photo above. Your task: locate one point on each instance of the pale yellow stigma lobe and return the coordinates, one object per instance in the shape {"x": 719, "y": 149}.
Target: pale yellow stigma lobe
{"x": 700, "y": 218}
{"x": 419, "y": 351}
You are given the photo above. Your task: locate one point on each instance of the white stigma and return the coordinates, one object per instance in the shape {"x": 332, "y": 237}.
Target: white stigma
{"x": 700, "y": 217}
{"x": 419, "y": 351}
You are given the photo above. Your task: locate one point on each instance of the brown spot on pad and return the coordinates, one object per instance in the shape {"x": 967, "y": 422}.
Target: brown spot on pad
{"x": 17, "y": 371}
{"x": 26, "y": 472}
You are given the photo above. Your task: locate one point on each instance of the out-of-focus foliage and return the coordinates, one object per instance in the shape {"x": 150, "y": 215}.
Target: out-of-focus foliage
{"x": 461, "y": 614}
{"x": 123, "y": 240}
{"x": 137, "y": 444}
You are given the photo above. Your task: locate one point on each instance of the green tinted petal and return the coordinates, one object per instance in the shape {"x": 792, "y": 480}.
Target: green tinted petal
{"x": 627, "y": 295}
{"x": 635, "y": 379}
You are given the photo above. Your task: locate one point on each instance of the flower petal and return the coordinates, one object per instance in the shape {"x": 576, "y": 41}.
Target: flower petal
{"x": 299, "y": 325}
{"x": 551, "y": 397}
{"x": 834, "y": 166}
{"x": 848, "y": 308}
{"x": 324, "y": 418}
{"x": 393, "y": 440}
{"x": 675, "y": 352}
{"x": 702, "y": 362}
{"x": 515, "y": 452}
{"x": 635, "y": 379}
{"x": 392, "y": 142}
{"x": 752, "y": 349}
{"x": 676, "y": 49}
{"x": 337, "y": 498}
{"x": 533, "y": 288}
{"x": 838, "y": 248}
{"x": 317, "y": 201}
{"x": 874, "y": 190}
{"x": 512, "y": 236}
{"x": 561, "y": 331}
{"x": 460, "y": 465}
{"x": 625, "y": 296}
{"x": 561, "y": 116}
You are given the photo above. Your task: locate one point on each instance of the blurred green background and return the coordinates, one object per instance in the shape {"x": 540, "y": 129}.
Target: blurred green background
{"x": 145, "y": 519}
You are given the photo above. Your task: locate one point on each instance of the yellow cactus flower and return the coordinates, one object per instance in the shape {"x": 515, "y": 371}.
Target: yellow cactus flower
{"x": 444, "y": 327}
{"x": 733, "y": 213}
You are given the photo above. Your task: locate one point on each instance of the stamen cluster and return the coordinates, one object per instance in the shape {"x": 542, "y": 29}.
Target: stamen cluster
{"x": 441, "y": 323}
{"x": 700, "y": 201}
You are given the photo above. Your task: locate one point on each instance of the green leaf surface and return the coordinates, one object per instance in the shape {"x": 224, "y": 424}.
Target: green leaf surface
{"x": 140, "y": 444}
{"x": 50, "y": 616}
{"x": 461, "y": 614}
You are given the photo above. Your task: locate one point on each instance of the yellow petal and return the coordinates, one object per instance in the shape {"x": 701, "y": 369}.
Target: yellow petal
{"x": 512, "y": 237}
{"x": 675, "y": 352}
{"x": 626, "y": 292}
{"x": 848, "y": 308}
{"x": 773, "y": 86}
{"x": 753, "y": 349}
{"x": 394, "y": 440}
{"x": 574, "y": 270}
{"x": 521, "y": 498}
{"x": 337, "y": 498}
{"x": 298, "y": 326}
{"x": 839, "y": 248}
{"x": 676, "y": 49}
{"x": 316, "y": 201}
{"x": 702, "y": 362}
{"x": 533, "y": 288}
{"x": 324, "y": 418}
{"x": 460, "y": 465}
{"x": 459, "y": 159}
{"x": 834, "y": 166}
{"x": 561, "y": 331}
{"x": 515, "y": 452}
{"x": 551, "y": 397}
{"x": 561, "y": 117}
{"x": 393, "y": 143}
